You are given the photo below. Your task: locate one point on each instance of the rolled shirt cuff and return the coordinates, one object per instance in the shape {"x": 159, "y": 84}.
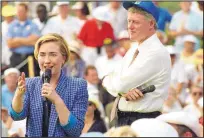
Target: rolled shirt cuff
{"x": 14, "y": 114}
{"x": 70, "y": 123}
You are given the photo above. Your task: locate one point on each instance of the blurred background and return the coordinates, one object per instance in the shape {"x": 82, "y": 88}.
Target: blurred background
{"x": 98, "y": 39}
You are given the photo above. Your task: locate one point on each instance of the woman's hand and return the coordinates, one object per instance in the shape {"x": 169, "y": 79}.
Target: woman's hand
{"x": 49, "y": 92}
{"x": 21, "y": 84}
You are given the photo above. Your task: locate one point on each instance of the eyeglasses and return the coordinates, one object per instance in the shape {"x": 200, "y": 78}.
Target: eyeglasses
{"x": 197, "y": 93}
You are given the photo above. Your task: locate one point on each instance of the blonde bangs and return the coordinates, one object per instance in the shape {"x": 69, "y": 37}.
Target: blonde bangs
{"x": 64, "y": 47}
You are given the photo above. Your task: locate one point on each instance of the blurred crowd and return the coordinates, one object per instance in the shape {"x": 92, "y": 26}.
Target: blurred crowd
{"x": 97, "y": 35}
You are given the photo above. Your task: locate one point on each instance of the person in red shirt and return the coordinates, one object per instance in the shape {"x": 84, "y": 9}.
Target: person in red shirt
{"x": 93, "y": 33}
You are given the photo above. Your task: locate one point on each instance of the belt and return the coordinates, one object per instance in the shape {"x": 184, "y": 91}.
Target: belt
{"x": 137, "y": 114}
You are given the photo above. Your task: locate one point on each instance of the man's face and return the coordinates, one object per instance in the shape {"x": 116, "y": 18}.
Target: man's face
{"x": 115, "y": 4}
{"x": 21, "y": 13}
{"x": 138, "y": 26}
{"x": 185, "y": 6}
{"x": 110, "y": 51}
{"x": 42, "y": 13}
{"x": 189, "y": 46}
{"x": 63, "y": 10}
{"x": 196, "y": 94}
{"x": 92, "y": 76}
{"x": 11, "y": 80}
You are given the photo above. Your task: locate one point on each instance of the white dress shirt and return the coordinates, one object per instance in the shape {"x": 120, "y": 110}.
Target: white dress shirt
{"x": 152, "y": 66}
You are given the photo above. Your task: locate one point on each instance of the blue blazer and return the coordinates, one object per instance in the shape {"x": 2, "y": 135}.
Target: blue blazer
{"x": 74, "y": 93}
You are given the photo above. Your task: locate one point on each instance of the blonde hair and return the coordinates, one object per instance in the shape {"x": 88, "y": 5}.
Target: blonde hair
{"x": 124, "y": 131}
{"x": 52, "y": 37}
{"x": 147, "y": 15}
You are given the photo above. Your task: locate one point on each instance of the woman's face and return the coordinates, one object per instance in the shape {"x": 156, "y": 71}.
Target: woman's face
{"x": 91, "y": 109}
{"x": 50, "y": 57}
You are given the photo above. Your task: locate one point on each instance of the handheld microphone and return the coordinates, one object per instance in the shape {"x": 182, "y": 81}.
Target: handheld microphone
{"x": 148, "y": 89}
{"x": 46, "y": 78}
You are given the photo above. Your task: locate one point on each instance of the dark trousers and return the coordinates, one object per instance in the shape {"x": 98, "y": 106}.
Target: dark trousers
{"x": 16, "y": 59}
{"x": 126, "y": 118}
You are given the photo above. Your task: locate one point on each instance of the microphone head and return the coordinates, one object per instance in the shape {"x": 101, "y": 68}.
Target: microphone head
{"x": 151, "y": 88}
{"x": 48, "y": 74}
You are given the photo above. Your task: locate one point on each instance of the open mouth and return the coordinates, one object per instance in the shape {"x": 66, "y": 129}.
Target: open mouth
{"x": 48, "y": 67}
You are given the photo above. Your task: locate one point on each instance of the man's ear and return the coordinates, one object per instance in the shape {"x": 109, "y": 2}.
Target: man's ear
{"x": 151, "y": 23}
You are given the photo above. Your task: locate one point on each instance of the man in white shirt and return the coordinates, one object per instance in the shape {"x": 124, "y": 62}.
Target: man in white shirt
{"x": 42, "y": 17}
{"x": 152, "y": 66}
{"x": 186, "y": 22}
{"x": 63, "y": 24}
{"x": 117, "y": 16}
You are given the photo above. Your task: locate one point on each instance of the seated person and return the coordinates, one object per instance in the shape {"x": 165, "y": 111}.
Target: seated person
{"x": 93, "y": 121}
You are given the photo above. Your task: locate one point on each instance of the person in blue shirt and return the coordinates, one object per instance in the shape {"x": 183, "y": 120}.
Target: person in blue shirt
{"x": 8, "y": 89}
{"x": 22, "y": 35}
{"x": 67, "y": 97}
{"x": 164, "y": 17}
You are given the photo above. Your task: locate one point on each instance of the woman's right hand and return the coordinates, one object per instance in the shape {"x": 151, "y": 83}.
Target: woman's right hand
{"x": 21, "y": 84}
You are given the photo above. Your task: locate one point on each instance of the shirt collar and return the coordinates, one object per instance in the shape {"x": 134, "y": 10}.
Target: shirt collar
{"x": 26, "y": 22}
{"x": 145, "y": 45}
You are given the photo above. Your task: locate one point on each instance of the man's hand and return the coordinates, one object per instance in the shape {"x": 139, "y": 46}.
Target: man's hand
{"x": 133, "y": 95}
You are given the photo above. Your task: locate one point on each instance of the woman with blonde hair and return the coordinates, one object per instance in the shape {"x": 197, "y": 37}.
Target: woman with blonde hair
{"x": 67, "y": 97}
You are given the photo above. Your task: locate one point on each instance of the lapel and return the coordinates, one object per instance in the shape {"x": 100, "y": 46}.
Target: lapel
{"x": 53, "y": 114}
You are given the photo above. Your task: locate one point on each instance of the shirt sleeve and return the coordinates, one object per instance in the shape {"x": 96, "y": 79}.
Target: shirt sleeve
{"x": 10, "y": 31}
{"x": 76, "y": 120}
{"x": 137, "y": 74}
{"x": 173, "y": 25}
{"x": 35, "y": 30}
{"x": 70, "y": 123}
